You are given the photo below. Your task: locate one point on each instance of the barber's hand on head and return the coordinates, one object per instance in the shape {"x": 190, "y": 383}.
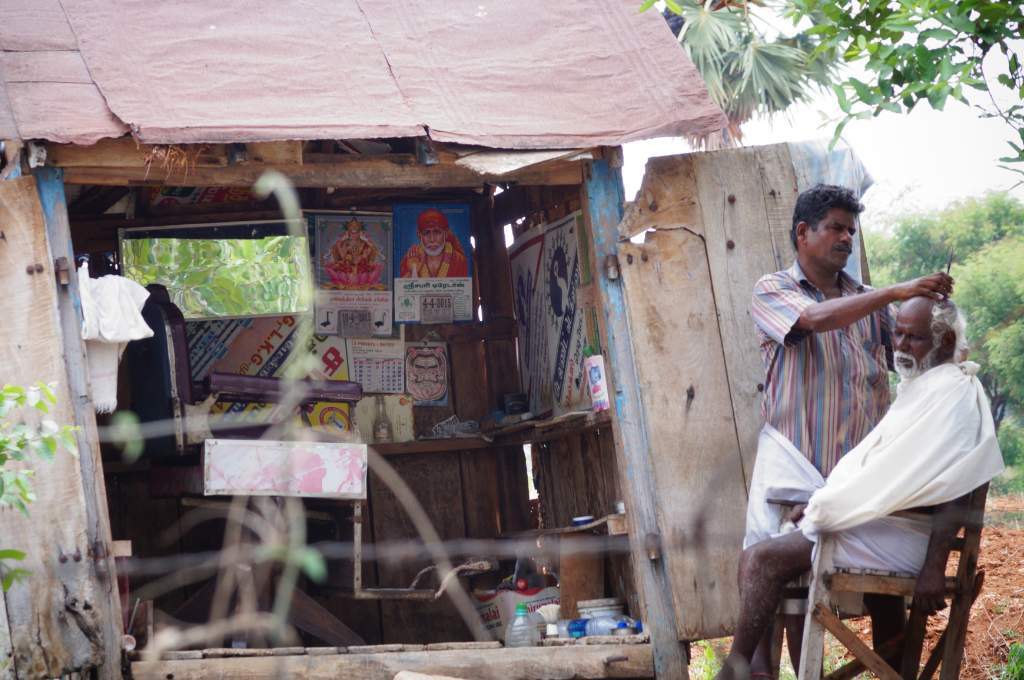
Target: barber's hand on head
{"x": 930, "y": 593}
{"x": 937, "y": 286}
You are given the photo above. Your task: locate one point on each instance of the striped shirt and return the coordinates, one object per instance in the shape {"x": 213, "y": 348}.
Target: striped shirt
{"x": 823, "y": 391}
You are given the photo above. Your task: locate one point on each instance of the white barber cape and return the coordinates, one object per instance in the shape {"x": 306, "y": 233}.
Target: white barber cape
{"x": 936, "y": 443}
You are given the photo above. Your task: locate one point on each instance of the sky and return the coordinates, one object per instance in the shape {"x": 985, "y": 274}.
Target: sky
{"x": 919, "y": 161}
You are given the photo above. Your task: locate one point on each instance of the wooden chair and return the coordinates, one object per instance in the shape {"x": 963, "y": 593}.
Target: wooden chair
{"x": 963, "y": 589}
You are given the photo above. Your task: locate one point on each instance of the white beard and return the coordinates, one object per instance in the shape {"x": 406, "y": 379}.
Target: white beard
{"x": 433, "y": 252}
{"x": 908, "y": 373}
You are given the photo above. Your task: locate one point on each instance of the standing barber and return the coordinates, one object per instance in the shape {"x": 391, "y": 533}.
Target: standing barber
{"x": 826, "y": 344}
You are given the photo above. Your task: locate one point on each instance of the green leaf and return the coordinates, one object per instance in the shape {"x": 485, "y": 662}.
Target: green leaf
{"x": 313, "y": 564}
{"x": 49, "y": 449}
{"x": 864, "y": 91}
{"x": 844, "y": 103}
{"x": 942, "y": 34}
{"x": 937, "y": 96}
{"x": 11, "y": 554}
{"x": 838, "y": 132}
{"x": 647, "y": 5}
{"x": 11, "y": 576}
{"x": 47, "y": 391}
{"x": 946, "y": 68}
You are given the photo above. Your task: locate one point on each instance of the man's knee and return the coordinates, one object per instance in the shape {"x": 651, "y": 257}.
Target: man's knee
{"x": 776, "y": 560}
{"x": 756, "y": 562}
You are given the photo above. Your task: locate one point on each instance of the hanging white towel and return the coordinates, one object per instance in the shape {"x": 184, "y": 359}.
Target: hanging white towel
{"x": 111, "y": 318}
{"x": 781, "y": 473}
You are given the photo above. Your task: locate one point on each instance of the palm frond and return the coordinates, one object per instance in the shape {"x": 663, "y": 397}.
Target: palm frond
{"x": 745, "y": 73}
{"x": 708, "y": 35}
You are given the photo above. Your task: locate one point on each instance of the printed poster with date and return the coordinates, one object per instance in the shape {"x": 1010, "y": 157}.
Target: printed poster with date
{"x": 353, "y": 273}
{"x": 378, "y": 365}
{"x": 434, "y": 283}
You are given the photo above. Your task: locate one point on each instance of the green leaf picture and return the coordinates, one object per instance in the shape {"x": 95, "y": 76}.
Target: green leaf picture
{"x": 209, "y": 278}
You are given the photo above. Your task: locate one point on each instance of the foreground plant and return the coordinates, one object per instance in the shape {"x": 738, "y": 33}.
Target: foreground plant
{"x": 27, "y": 434}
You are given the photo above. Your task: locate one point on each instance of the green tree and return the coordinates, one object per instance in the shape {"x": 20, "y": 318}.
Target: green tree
{"x": 991, "y": 286}
{"x": 747, "y": 67}
{"x": 919, "y": 244}
{"x": 986, "y": 236}
{"x": 921, "y": 50}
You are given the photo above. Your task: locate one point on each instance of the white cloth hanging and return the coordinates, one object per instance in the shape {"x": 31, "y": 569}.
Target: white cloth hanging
{"x": 781, "y": 473}
{"x": 111, "y": 318}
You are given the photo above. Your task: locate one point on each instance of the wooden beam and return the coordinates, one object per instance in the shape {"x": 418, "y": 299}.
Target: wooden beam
{"x": 852, "y": 669}
{"x": 106, "y": 608}
{"x": 603, "y": 197}
{"x": 126, "y": 153}
{"x": 518, "y": 663}
{"x": 275, "y": 152}
{"x": 903, "y": 586}
{"x": 356, "y": 174}
{"x": 123, "y": 164}
{"x": 501, "y": 328}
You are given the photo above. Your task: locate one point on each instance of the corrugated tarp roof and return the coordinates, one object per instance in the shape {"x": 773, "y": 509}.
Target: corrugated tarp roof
{"x": 520, "y": 74}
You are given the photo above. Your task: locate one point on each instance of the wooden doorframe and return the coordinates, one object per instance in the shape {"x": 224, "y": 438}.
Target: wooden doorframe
{"x": 50, "y": 186}
{"x": 603, "y": 197}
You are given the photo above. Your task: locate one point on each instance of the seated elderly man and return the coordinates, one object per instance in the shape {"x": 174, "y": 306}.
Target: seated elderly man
{"x": 935, "y": 445}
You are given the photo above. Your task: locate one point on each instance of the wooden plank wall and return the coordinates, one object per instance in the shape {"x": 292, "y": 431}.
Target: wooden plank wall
{"x": 717, "y": 222}
{"x": 479, "y": 493}
{"x": 576, "y": 475}
{"x": 56, "y": 616}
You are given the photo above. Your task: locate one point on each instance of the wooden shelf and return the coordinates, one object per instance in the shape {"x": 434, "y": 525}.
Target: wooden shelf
{"x": 613, "y": 525}
{"x": 536, "y": 431}
{"x": 526, "y": 432}
{"x": 432, "y": 446}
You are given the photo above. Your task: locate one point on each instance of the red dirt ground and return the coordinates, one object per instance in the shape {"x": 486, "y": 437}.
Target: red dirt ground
{"x": 997, "y": 619}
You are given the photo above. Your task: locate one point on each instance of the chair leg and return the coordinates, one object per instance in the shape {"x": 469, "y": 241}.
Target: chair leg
{"x": 855, "y": 667}
{"x": 914, "y": 642}
{"x": 940, "y": 647}
{"x": 956, "y": 629}
{"x": 813, "y": 646}
{"x": 778, "y": 629}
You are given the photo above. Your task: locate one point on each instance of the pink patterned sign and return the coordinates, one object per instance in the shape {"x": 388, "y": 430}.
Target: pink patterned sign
{"x": 259, "y": 467}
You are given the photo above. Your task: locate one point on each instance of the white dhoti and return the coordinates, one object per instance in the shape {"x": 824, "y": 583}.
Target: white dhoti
{"x": 782, "y": 473}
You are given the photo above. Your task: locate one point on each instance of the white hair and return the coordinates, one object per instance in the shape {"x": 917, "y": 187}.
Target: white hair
{"x": 946, "y": 316}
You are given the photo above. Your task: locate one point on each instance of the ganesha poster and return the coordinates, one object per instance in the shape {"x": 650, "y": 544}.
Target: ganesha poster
{"x": 352, "y": 258}
{"x": 434, "y": 259}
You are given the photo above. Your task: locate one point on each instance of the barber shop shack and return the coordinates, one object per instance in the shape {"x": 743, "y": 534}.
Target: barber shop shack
{"x": 370, "y": 358}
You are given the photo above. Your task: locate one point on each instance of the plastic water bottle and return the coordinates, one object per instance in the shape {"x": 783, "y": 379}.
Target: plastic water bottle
{"x": 522, "y": 632}
{"x": 599, "y": 625}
